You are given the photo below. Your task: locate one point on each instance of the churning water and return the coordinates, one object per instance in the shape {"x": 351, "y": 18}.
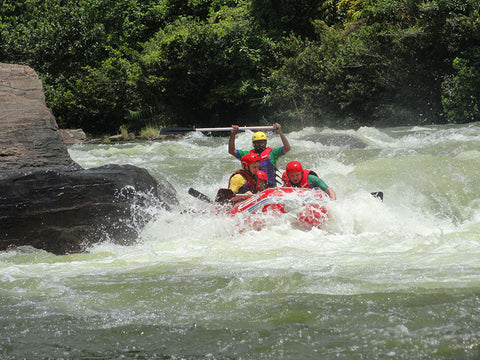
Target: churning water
{"x": 396, "y": 279}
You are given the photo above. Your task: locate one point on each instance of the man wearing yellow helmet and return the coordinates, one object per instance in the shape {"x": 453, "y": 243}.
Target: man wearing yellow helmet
{"x": 268, "y": 156}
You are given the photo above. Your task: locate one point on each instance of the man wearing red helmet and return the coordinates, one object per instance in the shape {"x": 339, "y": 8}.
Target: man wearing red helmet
{"x": 296, "y": 176}
{"x": 244, "y": 181}
{"x": 262, "y": 180}
{"x": 268, "y": 156}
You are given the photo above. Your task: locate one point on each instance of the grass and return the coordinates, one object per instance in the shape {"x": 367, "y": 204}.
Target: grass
{"x": 149, "y": 132}
{"x": 124, "y": 132}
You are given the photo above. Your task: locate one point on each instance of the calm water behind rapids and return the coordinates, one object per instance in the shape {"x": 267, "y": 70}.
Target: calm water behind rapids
{"x": 398, "y": 279}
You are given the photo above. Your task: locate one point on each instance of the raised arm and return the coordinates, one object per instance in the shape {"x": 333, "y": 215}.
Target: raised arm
{"x": 331, "y": 193}
{"x": 286, "y": 144}
{"x": 231, "y": 141}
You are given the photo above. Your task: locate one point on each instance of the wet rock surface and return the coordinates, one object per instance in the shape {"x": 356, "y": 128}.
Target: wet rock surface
{"x": 65, "y": 212}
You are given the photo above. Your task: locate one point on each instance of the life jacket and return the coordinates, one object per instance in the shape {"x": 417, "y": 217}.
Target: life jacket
{"x": 303, "y": 183}
{"x": 267, "y": 166}
{"x": 250, "y": 185}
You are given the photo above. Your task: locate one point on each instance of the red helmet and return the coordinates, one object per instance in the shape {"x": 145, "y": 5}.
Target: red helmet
{"x": 262, "y": 175}
{"x": 249, "y": 159}
{"x": 294, "y": 167}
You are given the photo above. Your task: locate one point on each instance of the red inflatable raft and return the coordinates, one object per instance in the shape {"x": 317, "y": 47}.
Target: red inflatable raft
{"x": 306, "y": 205}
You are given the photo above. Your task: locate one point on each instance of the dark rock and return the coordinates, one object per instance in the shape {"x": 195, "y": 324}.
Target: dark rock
{"x": 65, "y": 212}
{"x": 116, "y": 138}
{"x": 29, "y": 137}
{"x": 46, "y": 199}
{"x": 72, "y": 136}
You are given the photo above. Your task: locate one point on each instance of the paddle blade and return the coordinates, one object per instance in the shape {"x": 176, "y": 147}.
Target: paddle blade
{"x": 378, "y": 195}
{"x": 199, "y": 195}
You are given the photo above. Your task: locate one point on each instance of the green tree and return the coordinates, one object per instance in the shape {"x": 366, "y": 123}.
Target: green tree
{"x": 85, "y": 52}
{"x": 333, "y": 81}
{"x": 384, "y": 65}
{"x": 99, "y": 99}
{"x": 285, "y": 17}
{"x": 205, "y": 62}
{"x": 461, "y": 93}
{"x": 207, "y": 73}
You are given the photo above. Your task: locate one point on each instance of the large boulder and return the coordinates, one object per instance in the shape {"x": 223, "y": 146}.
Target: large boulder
{"x": 46, "y": 199}
{"x": 65, "y": 212}
{"x": 29, "y": 136}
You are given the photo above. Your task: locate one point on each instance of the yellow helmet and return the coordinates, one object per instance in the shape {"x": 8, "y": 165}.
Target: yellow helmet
{"x": 259, "y": 136}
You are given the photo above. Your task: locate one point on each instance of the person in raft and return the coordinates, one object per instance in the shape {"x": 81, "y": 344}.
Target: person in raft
{"x": 243, "y": 183}
{"x": 296, "y": 176}
{"x": 268, "y": 156}
{"x": 262, "y": 180}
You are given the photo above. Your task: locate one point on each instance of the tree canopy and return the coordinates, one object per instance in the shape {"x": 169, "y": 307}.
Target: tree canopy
{"x": 338, "y": 63}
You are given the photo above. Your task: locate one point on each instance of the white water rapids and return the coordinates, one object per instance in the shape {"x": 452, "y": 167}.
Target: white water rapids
{"x": 393, "y": 279}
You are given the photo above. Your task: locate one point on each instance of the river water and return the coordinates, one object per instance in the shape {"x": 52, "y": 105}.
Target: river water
{"x": 396, "y": 279}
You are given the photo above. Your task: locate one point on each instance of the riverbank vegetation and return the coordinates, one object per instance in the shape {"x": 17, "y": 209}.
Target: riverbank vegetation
{"x": 338, "y": 63}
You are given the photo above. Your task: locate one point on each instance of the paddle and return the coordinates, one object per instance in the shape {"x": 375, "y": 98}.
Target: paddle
{"x": 378, "y": 195}
{"x": 167, "y": 131}
{"x": 199, "y": 195}
{"x": 278, "y": 177}
{"x": 225, "y": 194}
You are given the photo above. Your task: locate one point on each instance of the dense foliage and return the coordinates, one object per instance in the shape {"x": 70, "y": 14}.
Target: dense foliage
{"x": 217, "y": 62}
